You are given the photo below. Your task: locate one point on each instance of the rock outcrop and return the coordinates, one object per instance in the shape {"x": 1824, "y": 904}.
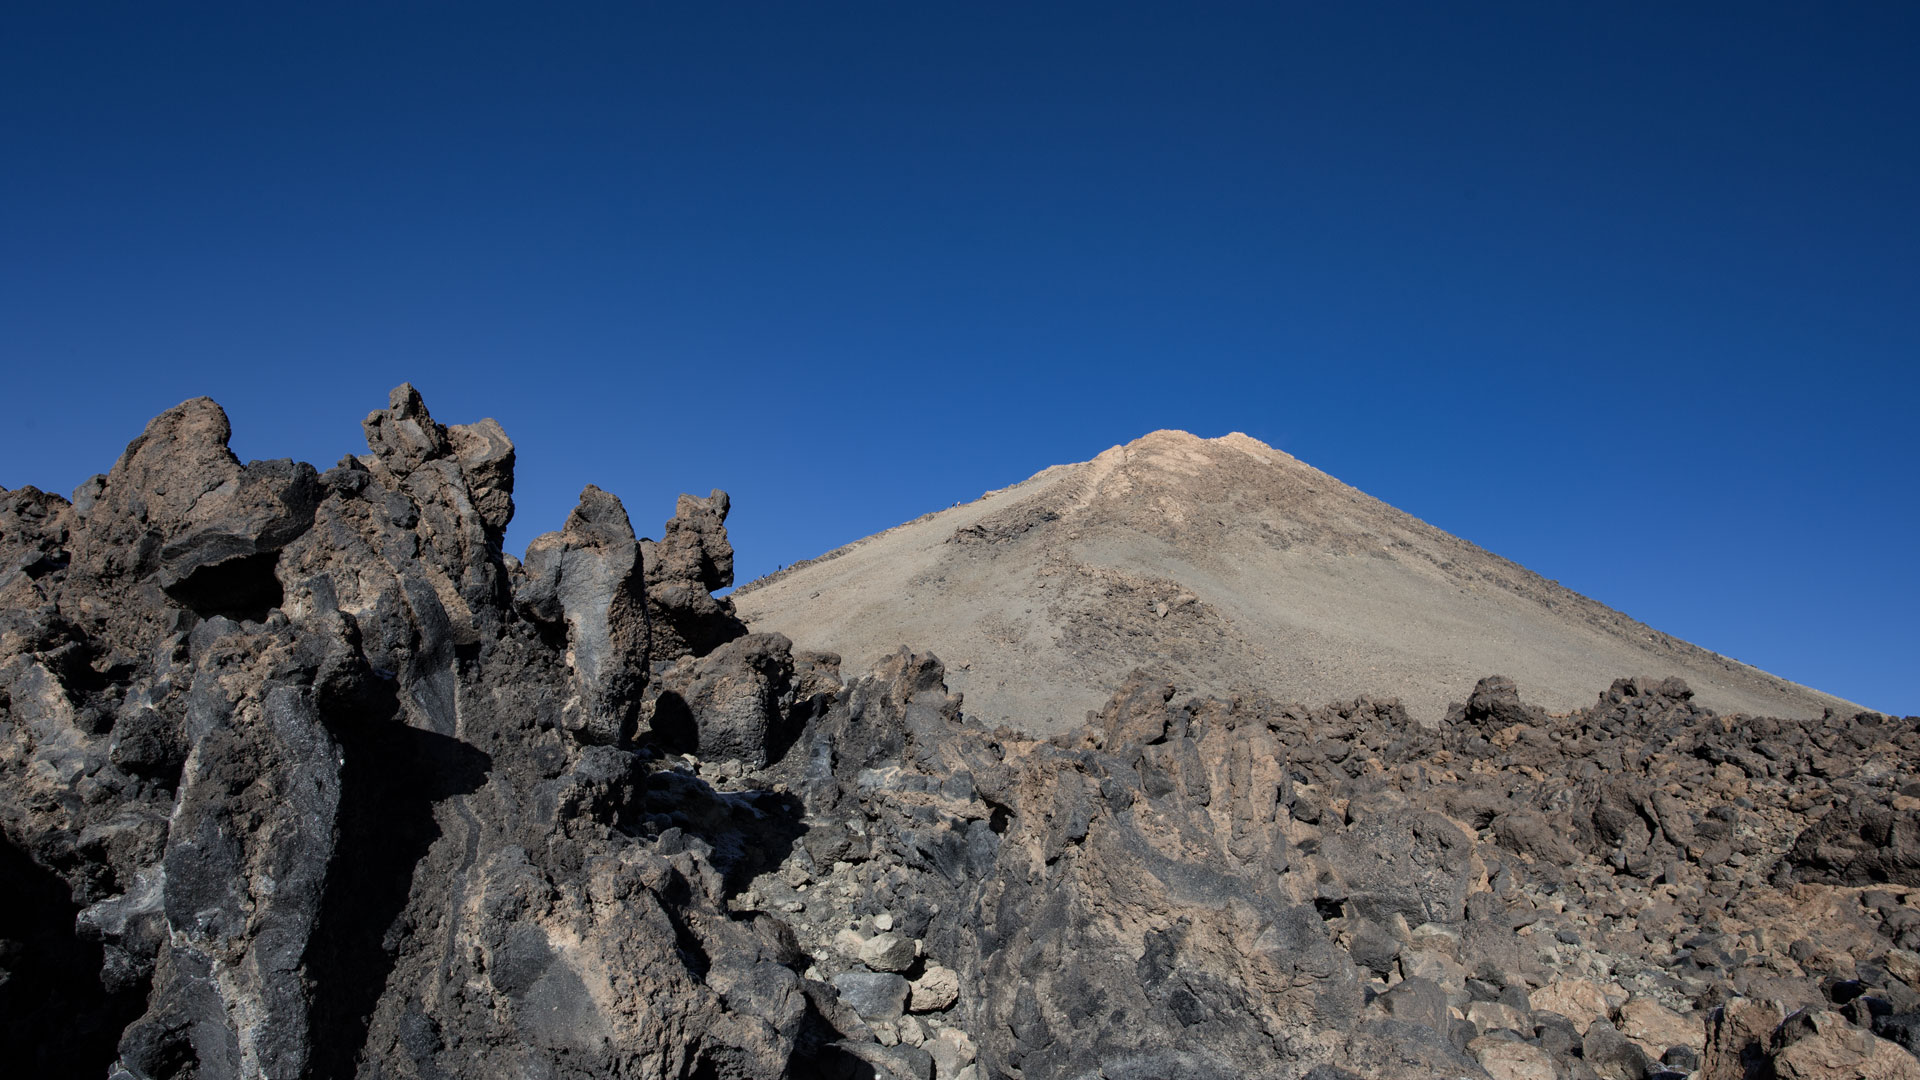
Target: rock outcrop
{"x": 691, "y": 560}
{"x": 302, "y": 776}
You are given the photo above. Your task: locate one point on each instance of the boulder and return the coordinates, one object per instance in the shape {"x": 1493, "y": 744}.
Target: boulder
{"x": 1822, "y": 1045}
{"x": 179, "y": 505}
{"x": 1612, "y": 1055}
{"x": 879, "y": 997}
{"x": 731, "y": 704}
{"x": 1738, "y": 1038}
{"x": 888, "y": 952}
{"x": 1656, "y": 1029}
{"x": 1579, "y": 1000}
{"x": 403, "y": 436}
{"x": 1860, "y": 844}
{"x": 1372, "y": 947}
{"x": 936, "y": 990}
{"x": 1494, "y": 704}
{"x": 1490, "y": 1016}
{"x": 1417, "y": 1001}
{"x": 952, "y": 1051}
{"x": 1505, "y": 1059}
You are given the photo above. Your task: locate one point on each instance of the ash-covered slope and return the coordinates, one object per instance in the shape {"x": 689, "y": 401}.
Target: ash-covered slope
{"x": 1227, "y": 565}
{"x": 301, "y": 776}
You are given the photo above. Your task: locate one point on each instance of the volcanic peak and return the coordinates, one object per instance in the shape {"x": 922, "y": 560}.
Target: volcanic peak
{"x": 1241, "y": 567}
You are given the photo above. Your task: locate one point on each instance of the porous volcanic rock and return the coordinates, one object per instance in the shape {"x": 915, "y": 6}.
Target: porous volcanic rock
{"x": 691, "y": 560}
{"x": 291, "y": 785}
{"x": 302, "y": 776}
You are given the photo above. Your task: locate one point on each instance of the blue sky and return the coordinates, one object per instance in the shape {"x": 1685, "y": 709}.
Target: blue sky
{"x": 1627, "y": 293}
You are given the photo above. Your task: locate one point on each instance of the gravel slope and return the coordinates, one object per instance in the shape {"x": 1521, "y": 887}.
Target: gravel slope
{"x": 1228, "y": 566}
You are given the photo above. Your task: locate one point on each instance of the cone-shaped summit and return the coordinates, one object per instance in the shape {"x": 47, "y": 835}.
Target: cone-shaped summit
{"x": 1226, "y": 565}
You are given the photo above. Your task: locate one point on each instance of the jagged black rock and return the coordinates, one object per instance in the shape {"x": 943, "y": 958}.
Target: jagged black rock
{"x": 300, "y": 775}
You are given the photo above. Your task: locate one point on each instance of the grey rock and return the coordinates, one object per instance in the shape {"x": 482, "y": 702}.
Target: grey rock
{"x": 1902, "y": 1028}
{"x": 877, "y": 996}
{"x": 1417, "y": 1001}
{"x": 891, "y": 1062}
{"x": 588, "y": 576}
{"x": 888, "y": 952}
{"x": 731, "y": 704}
{"x": 1683, "y": 1059}
{"x": 403, "y": 437}
{"x": 274, "y": 824}
{"x": 1373, "y": 948}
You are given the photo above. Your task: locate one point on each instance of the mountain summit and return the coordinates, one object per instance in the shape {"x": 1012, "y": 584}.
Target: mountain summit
{"x": 1228, "y": 566}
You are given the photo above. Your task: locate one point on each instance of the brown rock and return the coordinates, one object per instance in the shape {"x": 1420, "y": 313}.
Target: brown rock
{"x": 1824, "y": 1046}
{"x": 179, "y": 502}
{"x": 937, "y": 989}
{"x": 1505, "y": 1059}
{"x": 1493, "y": 1016}
{"x": 1657, "y": 1029}
{"x": 1860, "y": 843}
{"x": 403, "y": 436}
{"x": 1579, "y": 1000}
{"x": 1905, "y": 966}
{"x": 486, "y": 458}
{"x": 1737, "y": 1037}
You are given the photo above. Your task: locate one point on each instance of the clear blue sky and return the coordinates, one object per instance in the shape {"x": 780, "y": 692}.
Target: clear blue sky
{"x": 1625, "y": 292}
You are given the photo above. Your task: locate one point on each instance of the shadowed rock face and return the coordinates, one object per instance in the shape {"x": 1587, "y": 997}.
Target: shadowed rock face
{"x": 301, "y": 776}
{"x": 331, "y": 787}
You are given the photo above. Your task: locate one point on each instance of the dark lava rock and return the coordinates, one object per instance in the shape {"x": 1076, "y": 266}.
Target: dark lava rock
{"x": 876, "y": 996}
{"x": 587, "y": 578}
{"x": 1860, "y": 844}
{"x": 1903, "y": 1029}
{"x": 284, "y": 765}
{"x": 1373, "y": 948}
{"x": 731, "y": 703}
{"x": 302, "y": 776}
{"x": 1417, "y": 1001}
{"x": 691, "y": 560}
{"x": 1611, "y": 1055}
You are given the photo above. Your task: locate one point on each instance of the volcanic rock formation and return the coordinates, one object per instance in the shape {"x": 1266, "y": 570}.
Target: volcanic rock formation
{"x": 1228, "y": 566}
{"x": 302, "y": 776}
